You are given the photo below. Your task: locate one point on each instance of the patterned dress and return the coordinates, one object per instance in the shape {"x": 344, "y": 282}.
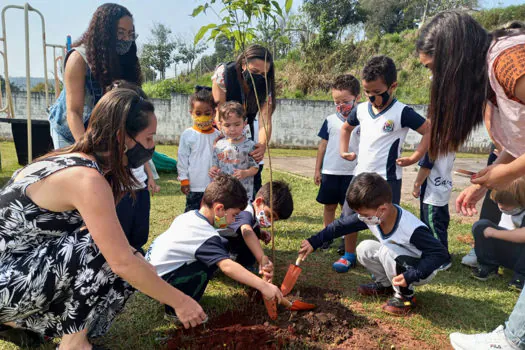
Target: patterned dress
{"x": 53, "y": 278}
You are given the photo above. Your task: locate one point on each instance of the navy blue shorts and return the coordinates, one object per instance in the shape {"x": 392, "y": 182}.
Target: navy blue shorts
{"x": 333, "y": 188}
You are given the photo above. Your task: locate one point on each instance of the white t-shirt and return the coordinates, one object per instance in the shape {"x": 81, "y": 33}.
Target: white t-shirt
{"x": 333, "y": 163}
{"x": 141, "y": 176}
{"x": 189, "y": 238}
{"x": 512, "y": 222}
{"x": 382, "y": 137}
{"x": 439, "y": 181}
{"x": 195, "y": 157}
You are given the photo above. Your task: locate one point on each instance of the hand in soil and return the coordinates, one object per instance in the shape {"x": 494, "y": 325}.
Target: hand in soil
{"x": 306, "y": 249}
{"x": 266, "y": 269}
{"x": 271, "y": 291}
{"x": 189, "y": 312}
{"x": 399, "y": 280}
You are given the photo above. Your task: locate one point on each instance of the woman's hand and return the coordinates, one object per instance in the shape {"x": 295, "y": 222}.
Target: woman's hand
{"x": 258, "y": 152}
{"x": 494, "y": 176}
{"x": 271, "y": 291}
{"x": 153, "y": 187}
{"x": 306, "y": 249}
{"x": 467, "y": 199}
{"x": 190, "y": 313}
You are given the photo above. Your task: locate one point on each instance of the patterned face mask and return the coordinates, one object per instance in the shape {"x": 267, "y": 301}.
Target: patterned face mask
{"x": 263, "y": 219}
{"x": 343, "y": 109}
{"x": 220, "y": 222}
{"x": 370, "y": 220}
{"x": 203, "y": 122}
{"x": 123, "y": 46}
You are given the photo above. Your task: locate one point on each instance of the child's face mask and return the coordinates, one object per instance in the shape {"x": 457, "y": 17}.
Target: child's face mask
{"x": 203, "y": 122}
{"x": 370, "y": 220}
{"x": 263, "y": 220}
{"x": 512, "y": 212}
{"x": 343, "y": 109}
{"x": 220, "y": 222}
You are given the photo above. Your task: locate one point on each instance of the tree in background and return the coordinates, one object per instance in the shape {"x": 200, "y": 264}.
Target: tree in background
{"x": 41, "y": 87}
{"x": 224, "y": 52}
{"x": 157, "y": 53}
{"x": 188, "y": 53}
{"x": 13, "y": 87}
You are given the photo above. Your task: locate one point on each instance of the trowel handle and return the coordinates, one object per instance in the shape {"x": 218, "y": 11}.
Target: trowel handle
{"x": 286, "y": 303}
{"x": 299, "y": 260}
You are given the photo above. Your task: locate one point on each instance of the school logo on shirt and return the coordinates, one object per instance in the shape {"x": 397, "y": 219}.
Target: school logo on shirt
{"x": 389, "y": 126}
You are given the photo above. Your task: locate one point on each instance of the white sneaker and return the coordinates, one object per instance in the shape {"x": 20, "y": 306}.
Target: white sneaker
{"x": 483, "y": 341}
{"x": 470, "y": 259}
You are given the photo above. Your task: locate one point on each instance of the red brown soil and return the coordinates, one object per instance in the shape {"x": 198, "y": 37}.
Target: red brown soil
{"x": 331, "y": 325}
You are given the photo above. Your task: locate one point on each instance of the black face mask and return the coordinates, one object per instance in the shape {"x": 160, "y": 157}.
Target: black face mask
{"x": 258, "y": 79}
{"x": 138, "y": 155}
{"x": 385, "y": 96}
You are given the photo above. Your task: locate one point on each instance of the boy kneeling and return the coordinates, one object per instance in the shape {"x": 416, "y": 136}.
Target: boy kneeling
{"x": 188, "y": 253}
{"x": 407, "y": 253}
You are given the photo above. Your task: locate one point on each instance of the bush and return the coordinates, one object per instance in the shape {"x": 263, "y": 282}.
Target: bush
{"x": 498, "y": 17}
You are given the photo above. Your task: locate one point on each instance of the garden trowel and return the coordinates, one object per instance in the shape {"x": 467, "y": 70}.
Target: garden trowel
{"x": 297, "y": 305}
{"x": 291, "y": 276}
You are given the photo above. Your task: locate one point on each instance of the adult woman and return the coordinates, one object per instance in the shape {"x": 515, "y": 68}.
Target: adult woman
{"x": 476, "y": 73}
{"x": 66, "y": 267}
{"x": 250, "y": 80}
{"x": 105, "y": 52}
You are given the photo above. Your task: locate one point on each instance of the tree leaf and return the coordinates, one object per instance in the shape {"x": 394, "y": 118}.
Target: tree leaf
{"x": 198, "y": 10}
{"x": 203, "y": 31}
{"x": 288, "y": 6}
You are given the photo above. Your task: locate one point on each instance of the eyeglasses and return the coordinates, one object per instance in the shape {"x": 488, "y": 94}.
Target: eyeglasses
{"x": 123, "y": 35}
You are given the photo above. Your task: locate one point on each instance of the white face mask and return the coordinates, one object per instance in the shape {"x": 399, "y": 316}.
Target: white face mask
{"x": 512, "y": 212}
{"x": 370, "y": 220}
{"x": 263, "y": 219}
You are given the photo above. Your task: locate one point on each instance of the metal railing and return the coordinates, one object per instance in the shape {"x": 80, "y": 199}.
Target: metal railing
{"x": 9, "y": 108}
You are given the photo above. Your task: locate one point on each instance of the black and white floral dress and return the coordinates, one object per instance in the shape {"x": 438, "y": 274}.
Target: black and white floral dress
{"x": 53, "y": 278}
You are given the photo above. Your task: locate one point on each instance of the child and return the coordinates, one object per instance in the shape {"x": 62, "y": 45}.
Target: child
{"x": 196, "y": 148}
{"x": 384, "y": 125}
{"x": 188, "y": 253}
{"x": 496, "y": 245}
{"x": 332, "y": 172}
{"x": 244, "y": 234}
{"x": 231, "y": 155}
{"x": 407, "y": 253}
{"x": 133, "y": 212}
{"x": 433, "y": 187}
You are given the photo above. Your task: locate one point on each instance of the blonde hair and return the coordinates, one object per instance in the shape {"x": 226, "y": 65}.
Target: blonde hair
{"x": 512, "y": 195}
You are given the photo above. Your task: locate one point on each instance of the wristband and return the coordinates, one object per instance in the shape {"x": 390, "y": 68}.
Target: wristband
{"x": 185, "y": 182}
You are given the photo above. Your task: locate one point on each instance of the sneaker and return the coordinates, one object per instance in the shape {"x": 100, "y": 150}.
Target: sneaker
{"x": 399, "y": 306}
{"x": 341, "y": 248}
{"x": 445, "y": 266}
{"x": 483, "y": 341}
{"x": 516, "y": 284}
{"x": 343, "y": 265}
{"x": 374, "y": 288}
{"x": 326, "y": 245}
{"x": 484, "y": 273}
{"x": 470, "y": 259}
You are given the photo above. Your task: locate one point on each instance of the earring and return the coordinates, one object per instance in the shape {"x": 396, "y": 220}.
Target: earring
{"x": 125, "y": 148}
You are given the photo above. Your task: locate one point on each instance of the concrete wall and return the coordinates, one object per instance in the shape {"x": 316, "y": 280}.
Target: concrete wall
{"x": 295, "y": 122}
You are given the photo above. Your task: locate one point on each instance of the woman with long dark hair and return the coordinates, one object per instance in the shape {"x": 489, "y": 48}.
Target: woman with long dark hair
{"x": 66, "y": 267}
{"x": 478, "y": 76}
{"x": 250, "y": 80}
{"x": 104, "y": 53}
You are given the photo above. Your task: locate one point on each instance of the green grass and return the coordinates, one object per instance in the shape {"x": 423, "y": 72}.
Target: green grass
{"x": 453, "y": 301}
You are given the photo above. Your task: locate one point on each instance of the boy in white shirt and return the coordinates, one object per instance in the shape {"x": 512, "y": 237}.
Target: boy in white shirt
{"x": 196, "y": 148}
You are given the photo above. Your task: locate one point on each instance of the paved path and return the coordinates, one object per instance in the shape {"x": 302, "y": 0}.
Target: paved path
{"x": 304, "y": 166}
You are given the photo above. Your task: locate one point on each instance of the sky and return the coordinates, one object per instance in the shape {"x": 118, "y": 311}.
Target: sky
{"x": 63, "y": 17}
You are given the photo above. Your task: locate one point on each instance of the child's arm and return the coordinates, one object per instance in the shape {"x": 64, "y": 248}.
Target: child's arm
{"x": 183, "y": 163}
{"x": 242, "y": 174}
{"x": 214, "y": 170}
{"x": 516, "y": 236}
{"x": 241, "y": 275}
{"x": 152, "y": 185}
{"x": 319, "y": 161}
{"x": 346, "y": 131}
{"x": 253, "y": 243}
{"x": 422, "y": 175}
{"x": 421, "y": 149}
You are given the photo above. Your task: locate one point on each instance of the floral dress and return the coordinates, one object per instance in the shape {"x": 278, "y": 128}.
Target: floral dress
{"x": 53, "y": 278}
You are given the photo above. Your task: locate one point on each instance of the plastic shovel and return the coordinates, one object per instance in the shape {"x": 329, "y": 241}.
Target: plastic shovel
{"x": 291, "y": 276}
{"x": 297, "y": 305}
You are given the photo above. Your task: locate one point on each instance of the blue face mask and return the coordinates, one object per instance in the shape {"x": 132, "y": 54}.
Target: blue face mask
{"x": 123, "y": 46}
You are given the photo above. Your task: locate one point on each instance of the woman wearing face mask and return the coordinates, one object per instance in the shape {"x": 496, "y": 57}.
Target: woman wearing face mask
{"x": 250, "y": 80}
{"x": 66, "y": 266}
{"x": 104, "y": 53}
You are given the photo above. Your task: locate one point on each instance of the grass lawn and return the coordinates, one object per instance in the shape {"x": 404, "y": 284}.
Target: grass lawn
{"x": 453, "y": 301}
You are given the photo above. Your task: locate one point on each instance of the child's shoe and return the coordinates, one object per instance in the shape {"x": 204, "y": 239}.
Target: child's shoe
{"x": 374, "y": 288}
{"x": 517, "y": 283}
{"x": 484, "y": 273}
{"x": 445, "y": 266}
{"x": 470, "y": 259}
{"x": 399, "y": 306}
{"x": 344, "y": 263}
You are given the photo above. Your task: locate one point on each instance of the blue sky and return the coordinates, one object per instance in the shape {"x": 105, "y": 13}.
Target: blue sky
{"x": 63, "y": 17}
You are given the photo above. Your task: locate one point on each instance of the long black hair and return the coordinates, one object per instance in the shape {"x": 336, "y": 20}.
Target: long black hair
{"x": 460, "y": 86}
{"x": 100, "y": 40}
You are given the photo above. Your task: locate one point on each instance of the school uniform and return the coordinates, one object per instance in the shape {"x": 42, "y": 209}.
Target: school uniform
{"x": 194, "y": 162}
{"x": 435, "y": 195}
{"x": 381, "y": 140}
{"x": 336, "y": 172}
{"x": 186, "y": 255}
{"x": 410, "y": 249}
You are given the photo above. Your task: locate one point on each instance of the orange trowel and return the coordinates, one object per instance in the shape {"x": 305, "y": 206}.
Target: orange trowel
{"x": 296, "y": 305}
{"x": 291, "y": 276}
